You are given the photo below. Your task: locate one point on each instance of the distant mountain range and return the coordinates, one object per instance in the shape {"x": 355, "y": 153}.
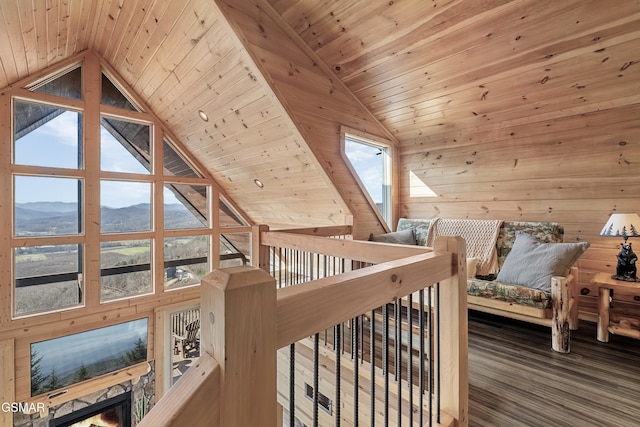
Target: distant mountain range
{"x": 38, "y": 218}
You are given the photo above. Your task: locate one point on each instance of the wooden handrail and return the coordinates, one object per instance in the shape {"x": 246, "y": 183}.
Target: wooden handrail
{"x": 371, "y": 252}
{"x": 194, "y": 400}
{"x": 245, "y": 320}
{"x": 333, "y": 230}
{"x": 314, "y": 306}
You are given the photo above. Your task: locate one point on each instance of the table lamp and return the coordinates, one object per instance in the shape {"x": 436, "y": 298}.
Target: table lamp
{"x": 624, "y": 225}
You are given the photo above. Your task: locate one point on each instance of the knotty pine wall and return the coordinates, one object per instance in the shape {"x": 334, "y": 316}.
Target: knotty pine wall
{"x": 574, "y": 169}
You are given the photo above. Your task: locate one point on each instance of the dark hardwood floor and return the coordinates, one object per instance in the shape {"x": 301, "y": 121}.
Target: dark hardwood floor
{"x": 515, "y": 379}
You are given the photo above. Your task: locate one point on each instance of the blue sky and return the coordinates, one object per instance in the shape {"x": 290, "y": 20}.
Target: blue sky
{"x": 55, "y": 144}
{"x": 368, "y": 165}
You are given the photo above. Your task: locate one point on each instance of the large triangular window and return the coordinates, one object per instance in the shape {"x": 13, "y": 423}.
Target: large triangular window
{"x": 103, "y": 171}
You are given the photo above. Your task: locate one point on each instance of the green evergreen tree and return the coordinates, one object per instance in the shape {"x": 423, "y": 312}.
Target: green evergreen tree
{"x": 53, "y": 383}
{"x": 81, "y": 374}
{"x": 37, "y": 377}
{"x": 138, "y": 354}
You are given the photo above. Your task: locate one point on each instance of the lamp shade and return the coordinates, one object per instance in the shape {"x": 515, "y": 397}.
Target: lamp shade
{"x": 622, "y": 225}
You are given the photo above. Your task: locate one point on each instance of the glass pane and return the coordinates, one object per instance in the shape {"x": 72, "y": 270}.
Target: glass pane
{"x": 68, "y": 85}
{"x": 368, "y": 161}
{"x": 175, "y": 165}
{"x": 46, "y": 206}
{"x": 228, "y": 217}
{"x": 185, "y": 332}
{"x": 186, "y": 260}
{"x": 47, "y": 278}
{"x": 67, "y": 360}
{"x": 235, "y": 249}
{"x": 126, "y": 269}
{"x": 124, "y": 146}
{"x": 47, "y": 136}
{"x": 125, "y": 206}
{"x": 185, "y": 206}
{"x": 112, "y": 96}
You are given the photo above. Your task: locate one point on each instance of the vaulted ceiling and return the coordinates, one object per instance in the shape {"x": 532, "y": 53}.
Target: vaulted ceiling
{"x": 278, "y": 78}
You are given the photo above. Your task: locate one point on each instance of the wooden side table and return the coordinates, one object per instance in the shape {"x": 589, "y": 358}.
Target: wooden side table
{"x": 605, "y": 285}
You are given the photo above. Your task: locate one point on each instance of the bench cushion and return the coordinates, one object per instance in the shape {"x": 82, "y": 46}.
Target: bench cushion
{"x": 514, "y": 294}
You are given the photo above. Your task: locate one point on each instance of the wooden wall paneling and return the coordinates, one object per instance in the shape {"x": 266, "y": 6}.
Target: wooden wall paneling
{"x": 15, "y": 41}
{"x": 190, "y": 77}
{"x": 155, "y": 26}
{"x": 117, "y": 56}
{"x": 106, "y": 23}
{"x": 496, "y": 63}
{"x": 129, "y": 17}
{"x": 481, "y": 35}
{"x": 26, "y": 20}
{"x": 7, "y": 380}
{"x": 40, "y": 24}
{"x": 196, "y": 20}
{"x": 513, "y": 130}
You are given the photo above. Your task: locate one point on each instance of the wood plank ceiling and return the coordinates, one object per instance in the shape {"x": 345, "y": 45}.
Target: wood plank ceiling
{"x": 181, "y": 57}
{"x": 460, "y": 86}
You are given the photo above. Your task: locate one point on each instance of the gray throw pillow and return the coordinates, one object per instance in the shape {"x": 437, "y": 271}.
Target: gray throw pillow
{"x": 532, "y": 263}
{"x": 404, "y": 237}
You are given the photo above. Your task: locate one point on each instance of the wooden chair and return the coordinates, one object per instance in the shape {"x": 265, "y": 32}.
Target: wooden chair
{"x": 190, "y": 341}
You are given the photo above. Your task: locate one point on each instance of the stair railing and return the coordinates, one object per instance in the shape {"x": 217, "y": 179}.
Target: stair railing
{"x": 246, "y": 319}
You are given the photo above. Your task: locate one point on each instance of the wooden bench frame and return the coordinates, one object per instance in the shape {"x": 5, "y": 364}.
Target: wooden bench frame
{"x": 561, "y": 317}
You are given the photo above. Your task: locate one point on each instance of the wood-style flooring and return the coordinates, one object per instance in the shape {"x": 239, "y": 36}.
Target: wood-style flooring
{"x": 515, "y": 379}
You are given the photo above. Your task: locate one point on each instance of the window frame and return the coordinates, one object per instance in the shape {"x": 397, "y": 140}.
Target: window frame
{"x": 387, "y": 216}
{"x": 91, "y": 175}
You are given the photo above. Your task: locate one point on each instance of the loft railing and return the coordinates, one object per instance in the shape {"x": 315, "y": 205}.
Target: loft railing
{"x": 369, "y": 299}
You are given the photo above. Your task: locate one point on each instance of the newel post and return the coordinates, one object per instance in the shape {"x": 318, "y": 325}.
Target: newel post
{"x": 259, "y": 253}
{"x": 453, "y": 340}
{"x": 239, "y": 330}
